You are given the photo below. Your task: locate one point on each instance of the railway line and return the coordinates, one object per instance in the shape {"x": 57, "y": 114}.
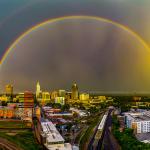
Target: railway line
{"x": 98, "y": 136}
{"x": 98, "y": 133}
{"x": 7, "y": 145}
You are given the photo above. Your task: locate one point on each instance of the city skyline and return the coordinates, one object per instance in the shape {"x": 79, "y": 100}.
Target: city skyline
{"x": 74, "y": 74}
{"x": 9, "y": 88}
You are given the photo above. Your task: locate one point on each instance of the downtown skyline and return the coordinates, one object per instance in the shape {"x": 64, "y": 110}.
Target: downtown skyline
{"x": 75, "y": 74}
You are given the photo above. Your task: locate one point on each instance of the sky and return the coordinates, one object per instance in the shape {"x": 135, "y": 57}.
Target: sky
{"x": 96, "y": 55}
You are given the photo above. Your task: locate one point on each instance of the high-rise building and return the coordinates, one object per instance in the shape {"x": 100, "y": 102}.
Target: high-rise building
{"x": 54, "y": 94}
{"x": 75, "y": 93}
{"x": 28, "y": 100}
{"x": 28, "y": 108}
{"x": 61, "y": 93}
{"x": 60, "y": 100}
{"x": 20, "y": 97}
{"x": 38, "y": 90}
{"x": 45, "y": 98}
{"x": 9, "y": 89}
{"x": 68, "y": 96}
{"x": 84, "y": 96}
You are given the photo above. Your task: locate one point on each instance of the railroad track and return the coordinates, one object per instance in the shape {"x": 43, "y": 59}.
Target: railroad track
{"x": 7, "y": 145}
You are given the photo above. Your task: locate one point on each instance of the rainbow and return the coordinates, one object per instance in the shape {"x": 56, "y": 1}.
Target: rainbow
{"x": 123, "y": 27}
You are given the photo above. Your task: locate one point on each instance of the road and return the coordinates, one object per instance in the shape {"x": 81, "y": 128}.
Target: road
{"x": 5, "y": 144}
{"x": 109, "y": 141}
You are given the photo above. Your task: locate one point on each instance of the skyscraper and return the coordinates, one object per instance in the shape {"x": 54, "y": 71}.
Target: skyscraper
{"x": 9, "y": 89}
{"x": 75, "y": 93}
{"x": 38, "y": 90}
{"x": 61, "y": 93}
{"x": 28, "y": 107}
{"x": 28, "y": 100}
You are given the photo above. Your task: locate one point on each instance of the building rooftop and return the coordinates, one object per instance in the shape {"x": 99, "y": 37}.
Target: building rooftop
{"x": 140, "y": 116}
{"x": 66, "y": 146}
{"x": 52, "y": 134}
{"x": 143, "y": 136}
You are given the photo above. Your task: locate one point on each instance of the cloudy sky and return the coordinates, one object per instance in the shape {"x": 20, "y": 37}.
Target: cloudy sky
{"x": 97, "y": 55}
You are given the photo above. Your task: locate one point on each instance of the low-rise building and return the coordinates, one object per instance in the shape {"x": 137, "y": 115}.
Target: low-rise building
{"x": 81, "y": 113}
{"x": 54, "y": 114}
{"x": 52, "y": 138}
{"x": 6, "y": 112}
{"x": 121, "y": 123}
{"x": 139, "y": 121}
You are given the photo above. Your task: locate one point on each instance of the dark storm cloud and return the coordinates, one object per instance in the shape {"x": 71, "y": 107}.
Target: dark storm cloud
{"x": 101, "y": 60}
{"x": 97, "y": 55}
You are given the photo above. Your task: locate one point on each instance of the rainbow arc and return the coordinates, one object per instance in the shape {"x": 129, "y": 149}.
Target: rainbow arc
{"x": 123, "y": 27}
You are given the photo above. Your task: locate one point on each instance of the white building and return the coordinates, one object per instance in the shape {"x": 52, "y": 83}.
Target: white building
{"x": 52, "y": 138}
{"x": 140, "y": 121}
{"x": 81, "y": 113}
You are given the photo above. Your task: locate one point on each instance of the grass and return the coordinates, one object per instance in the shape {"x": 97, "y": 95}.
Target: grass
{"x": 24, "y": 140}
{"x": 12, "y": 124}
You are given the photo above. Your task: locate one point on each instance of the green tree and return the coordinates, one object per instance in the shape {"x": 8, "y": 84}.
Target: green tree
{"x": 56, "y": 105}
{"x": 123, "y": 102}
{"x": 93, "y": 110}
{"x": 65, "y": 107}
{"x": 4, "y": 103}
{"x": 49, "y": 104}
{"x": 81, "y": 106}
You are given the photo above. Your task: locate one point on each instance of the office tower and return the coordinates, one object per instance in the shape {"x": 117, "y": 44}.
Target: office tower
{"x": 9, "y": 89}
{"x": 54, "y": 94}
{"x": 74, "y": 90}
{"x": 45, "y": 97}
{"x": 84, "y": 96}
{"x": 38, "y": 90}
{"x": 28, "y": 100}
{"x": 60, "y": 100}
{"x": 61, "y": 93}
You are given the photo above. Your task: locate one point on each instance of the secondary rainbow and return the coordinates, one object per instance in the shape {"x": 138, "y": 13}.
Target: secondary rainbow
{"x": 134, "y": 34}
